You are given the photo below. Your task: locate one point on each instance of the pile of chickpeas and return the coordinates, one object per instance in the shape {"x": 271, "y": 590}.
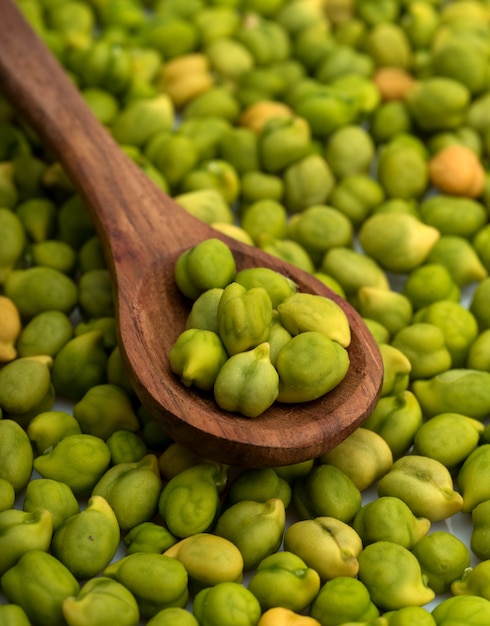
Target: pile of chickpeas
{"x": 350, "y": 138}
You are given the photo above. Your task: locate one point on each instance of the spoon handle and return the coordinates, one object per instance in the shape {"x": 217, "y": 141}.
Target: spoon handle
{"x": 36, "y": 84}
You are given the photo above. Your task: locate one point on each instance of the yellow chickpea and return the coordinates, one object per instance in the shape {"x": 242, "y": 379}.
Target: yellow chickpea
{"x": 457, "y": 170}
{"x": 258, "y": 114}
{"x": 280, "y": 616}
{"x": 9, "y": 329}
{"x": 393, "y": 83}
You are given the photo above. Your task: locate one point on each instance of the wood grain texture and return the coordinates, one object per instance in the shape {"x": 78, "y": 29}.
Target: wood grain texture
{"x": 143, "y": 231}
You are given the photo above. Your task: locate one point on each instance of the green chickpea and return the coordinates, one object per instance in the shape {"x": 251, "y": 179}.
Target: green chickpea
{"x": 208, "y": 559}
{"x": 364, "y": 456}
{"x": 282, "y": 142}
{"x": 438, "y": 103}
{"x": 327, "y": 545}
{"x": 409, "y": 615}
{"x": 449, "y": 438}
{"x": 471, "y": 478}
{"x": 102, "y": 103}
{"x": 91, "y": 256}
{"x": 7, "y": 495}
{"x": 343, "y": 598}
{"x": 425, "y": 347}
{"x": 14, "y": 615}
{"x": 247, "y": 382}
{"x": 302, "y": 312}
{"x": 480, "y": 535}
{"x": 453, "y": 215}
{"x": 22, "y": 532}
{"x": 307, "y": 182}
{"x": 99, "y": 601}
{"x": 79, "y": 365}
{"x": 443, "y": 559}
{"x": 457, "y": 390}
{"x": 389, "y": 120}
{"x": 199, "y": 486}
{"x": 239, "y": 147}
{"x": 458, "y": 324}
{"x": 95, "y": 294}
{"x": 77, "y": 460}
{"x": 226, "y": 604}
{"x": 470, "y": 609}
{"x": 13, "y": 241}
{"x": 397, "y": 370}
{"x": 216, "y": 101}
{"x": 213, "y": 174}
{"x": 391, "y": 309}
{"x": 244, "y": 317}
{"x": 326, "y": 492}
{"x": 256, "y": 186}
{"x": 197, "y": 357}
{"x": 460, "y": 258}
{"x": 398, "y": 241}
{"x": 480, "y": 244}
{"x": 204, "y": 310}
{"x": 349, "y": 150}
{"x": 155, "y": 580}
{"x": 207, "y": 265}
{"x": 173, "y": 616}
{"x": 259, "y": 485}
{"x": 356, "y": 196}
{"x": 16, "y": 455}
{"x": 430, "y": 283}
{"x": 117, "y": 372}
{"x": 56, "y": 254}
{"x": 278, "y": 287}
{"x": 380, "y": 333}
{"x": 284, "y": 579}
{"x": 39, "y": 584}
{"x": 148, "y": 537}
{"x": 207, "y": 205}
{"x": 126, "y": 447}
{"x": 46, "y": 429}
{"x": 256, "y": 528}
{"x": 25, "y": 389}
{"x": 396, "y": 418}
{"x": 425, "y": 485}
{"x": 320, "y": 228}
{"x": 288, "y": 250}
{"x": 174, "y": 154}
{"x": 389, "y": 519}
{"x": 74, "y": 223}
{"x": 46, "y": 333}
{"x": 39, "y": 289}
{"x": 353, "y": 270}
{"x": 309, "y": 366}
{"x": 87, "y": 541}
{"x": 478, "y": 354}
{"x": 136, "y": 482}
{"x": 54, "y": 496}
{"x": 395, "y": 161}
{"x": 393, "y": 576}
{"x": 38, "y": 216}
{"x": 479, "y": 304}
{"x": 157, "y": 114}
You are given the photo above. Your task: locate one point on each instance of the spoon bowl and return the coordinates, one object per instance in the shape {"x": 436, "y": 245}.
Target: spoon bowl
{"x": 143, "y": 231}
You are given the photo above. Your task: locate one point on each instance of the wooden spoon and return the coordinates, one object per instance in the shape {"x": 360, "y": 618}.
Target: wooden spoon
{"x": 143, "y": 231}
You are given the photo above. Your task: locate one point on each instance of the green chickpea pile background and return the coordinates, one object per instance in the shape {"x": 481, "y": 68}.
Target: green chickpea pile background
{"x": 350, "y": 138}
